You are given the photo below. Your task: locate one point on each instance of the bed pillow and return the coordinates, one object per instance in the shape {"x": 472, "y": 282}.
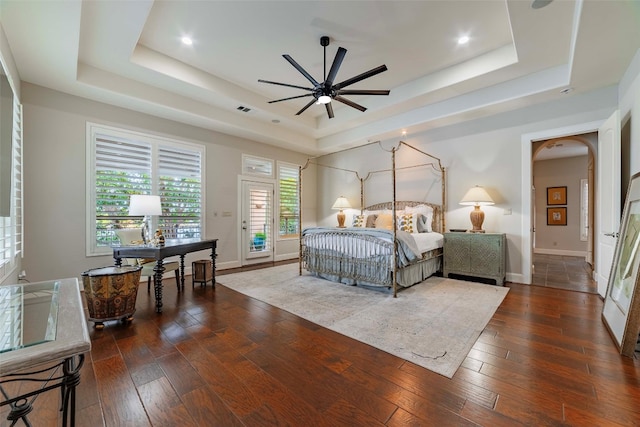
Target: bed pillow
{"x": 360, "y": 220}
{"x": 384, "y": 221}
{"x": 407, "y": 222}
{"x": 425, "y": 217}
{"x": 371, "y": 221}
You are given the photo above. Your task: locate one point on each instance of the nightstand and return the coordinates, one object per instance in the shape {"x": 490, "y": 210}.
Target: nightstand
{"x": 476, "y": 255}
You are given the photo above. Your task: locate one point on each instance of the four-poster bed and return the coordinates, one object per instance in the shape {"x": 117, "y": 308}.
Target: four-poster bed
{"x": 403, "y": 249}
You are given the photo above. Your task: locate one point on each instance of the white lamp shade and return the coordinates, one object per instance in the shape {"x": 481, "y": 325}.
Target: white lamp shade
{"x": 341, "y": 203}
{"x": 141, "y": 204}
{"x": 477, "y": 196}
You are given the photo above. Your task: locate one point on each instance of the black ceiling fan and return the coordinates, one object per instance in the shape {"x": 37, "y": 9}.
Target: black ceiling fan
{"x": 326, "y": 91}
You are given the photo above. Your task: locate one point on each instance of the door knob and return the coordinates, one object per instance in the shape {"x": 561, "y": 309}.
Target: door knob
{"x": 612, "y": 235}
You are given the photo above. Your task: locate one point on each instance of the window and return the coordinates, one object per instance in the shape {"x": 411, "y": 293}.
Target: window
{"x": 257, "y": 166}
{"x": 584, "y": 209}
{"x": 11, "y": 226}
{"x": 125, "y": 163}
{"x": 288, "y": 187}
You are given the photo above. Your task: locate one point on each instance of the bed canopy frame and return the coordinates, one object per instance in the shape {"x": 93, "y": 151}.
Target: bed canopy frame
{"x": 435, "y": 164}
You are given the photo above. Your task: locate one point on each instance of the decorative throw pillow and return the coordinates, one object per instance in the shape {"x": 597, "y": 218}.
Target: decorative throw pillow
{"x": 371, "y": 221}
{"x": 359, "y": 220}
{"x": 407, "y": 222}
{"x": 384, "y": 221}
{"x": 425, "y": 217}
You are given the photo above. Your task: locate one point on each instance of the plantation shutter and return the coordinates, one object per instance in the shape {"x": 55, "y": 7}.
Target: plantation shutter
{"x": 260, "y": 218}
{"x": 11, "y": 236}
{"x": 289, "y": 206}
{"x": 122, "y": 168}
{"x": 180, "y": 189}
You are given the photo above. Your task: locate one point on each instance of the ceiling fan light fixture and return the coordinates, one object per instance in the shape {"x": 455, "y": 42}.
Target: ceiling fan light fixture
{"x": 324, "y": 99}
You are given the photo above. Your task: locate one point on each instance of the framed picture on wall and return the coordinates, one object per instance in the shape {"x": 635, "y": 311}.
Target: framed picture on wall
{"x": 621, "y": 311}
{"x": 557, "y": 196}
{"x": 557, "y": 216}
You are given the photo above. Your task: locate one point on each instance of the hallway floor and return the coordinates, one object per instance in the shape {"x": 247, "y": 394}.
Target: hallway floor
{"x": 563, "y": 272}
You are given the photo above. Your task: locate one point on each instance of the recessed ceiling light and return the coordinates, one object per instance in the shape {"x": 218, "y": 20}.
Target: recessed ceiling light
{"x": 187, "y": 40}
{"x": 463, "y": 40}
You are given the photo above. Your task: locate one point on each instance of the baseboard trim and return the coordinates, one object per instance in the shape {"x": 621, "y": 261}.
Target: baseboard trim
{"x": 543, "y": 251}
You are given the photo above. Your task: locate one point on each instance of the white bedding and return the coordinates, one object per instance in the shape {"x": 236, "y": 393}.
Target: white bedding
{"x": 428, "y": 241}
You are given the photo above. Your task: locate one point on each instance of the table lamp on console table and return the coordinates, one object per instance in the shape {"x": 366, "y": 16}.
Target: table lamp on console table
{"x": 476, "y": 197}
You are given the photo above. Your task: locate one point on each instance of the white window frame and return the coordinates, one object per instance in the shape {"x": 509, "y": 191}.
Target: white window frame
{"x": 92, "y": 249}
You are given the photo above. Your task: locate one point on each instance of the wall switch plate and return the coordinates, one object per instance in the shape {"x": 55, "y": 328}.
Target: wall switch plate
{"x": 506, "y": 211}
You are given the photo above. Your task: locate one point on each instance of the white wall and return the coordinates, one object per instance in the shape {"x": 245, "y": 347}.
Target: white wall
{"x": 54, "y": 182}
{"x": 629, "y": 94}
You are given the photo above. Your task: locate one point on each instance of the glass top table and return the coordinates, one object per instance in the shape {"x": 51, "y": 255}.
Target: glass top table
{"x": 28, "y": 315}
{"x": 42, "y": 329}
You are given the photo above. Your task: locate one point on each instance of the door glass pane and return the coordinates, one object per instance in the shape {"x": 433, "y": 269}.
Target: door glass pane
{"x": 259, "y": 215}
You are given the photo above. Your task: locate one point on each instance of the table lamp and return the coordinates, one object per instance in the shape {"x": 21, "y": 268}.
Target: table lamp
{"x": 145, "y": 205}
{"x": 477, "y": 196}
{"x": 341, "y": 203}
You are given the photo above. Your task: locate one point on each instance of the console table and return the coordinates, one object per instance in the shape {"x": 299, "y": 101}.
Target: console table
{"x": 476, "y": 255}
{"x": 43, "y": 338}
{"x": 172, "y": 247}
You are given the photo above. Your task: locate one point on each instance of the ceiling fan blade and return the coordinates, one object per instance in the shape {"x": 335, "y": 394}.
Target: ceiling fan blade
{"x": 302, "y": 70}
{"x": 291, "y": 97}
{"x": 337, "y": 62}
{"x": 362, "y": 92}
{"x": 285, "y": 84}
{"x": 349, "y": 103}
{"x": 359, "y": 77}
{"x": 313, "y": 101}
{"x": 329, "y": 110}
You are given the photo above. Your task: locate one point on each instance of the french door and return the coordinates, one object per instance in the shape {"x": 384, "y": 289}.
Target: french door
{"x": 257, "y": 222}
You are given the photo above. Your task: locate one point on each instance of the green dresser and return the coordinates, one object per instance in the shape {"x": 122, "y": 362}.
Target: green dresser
{"x": 476, "y": 255}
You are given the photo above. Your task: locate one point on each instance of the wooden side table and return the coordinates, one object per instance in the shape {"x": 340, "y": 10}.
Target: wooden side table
{"x": 476, "y": 255}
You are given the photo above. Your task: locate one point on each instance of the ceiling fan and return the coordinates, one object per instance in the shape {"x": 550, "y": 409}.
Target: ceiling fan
{"x": 325, "y": 92}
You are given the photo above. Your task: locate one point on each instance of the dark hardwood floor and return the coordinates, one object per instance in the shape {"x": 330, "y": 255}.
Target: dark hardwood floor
{"x": 219, "y": 358}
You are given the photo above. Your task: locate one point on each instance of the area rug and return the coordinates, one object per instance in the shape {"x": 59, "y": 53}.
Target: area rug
{"x": 433, "y": 324}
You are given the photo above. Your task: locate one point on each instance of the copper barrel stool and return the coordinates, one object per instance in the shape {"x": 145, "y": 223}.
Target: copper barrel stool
{"x": 111, "y": 293}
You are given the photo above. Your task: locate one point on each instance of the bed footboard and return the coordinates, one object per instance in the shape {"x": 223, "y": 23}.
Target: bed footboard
{"x": 348, "y": 255}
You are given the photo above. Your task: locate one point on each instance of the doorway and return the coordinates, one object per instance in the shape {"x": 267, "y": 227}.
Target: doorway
{"x": 603, "y": 170}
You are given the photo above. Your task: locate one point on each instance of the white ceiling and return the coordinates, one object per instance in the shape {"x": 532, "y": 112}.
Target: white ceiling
{"x": 128, "y": 53}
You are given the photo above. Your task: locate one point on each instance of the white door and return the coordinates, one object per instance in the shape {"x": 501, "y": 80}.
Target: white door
{"x": 607, "y": 198}
{"x": 257, "y": 222}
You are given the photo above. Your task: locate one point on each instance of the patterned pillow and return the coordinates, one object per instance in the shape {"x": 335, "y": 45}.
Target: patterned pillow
{"x": 359, "y": 220}
{"x": 407, "y": 222}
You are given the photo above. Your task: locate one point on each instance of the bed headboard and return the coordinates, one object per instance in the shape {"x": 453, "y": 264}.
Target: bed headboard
{"x": 437, "y": 222}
